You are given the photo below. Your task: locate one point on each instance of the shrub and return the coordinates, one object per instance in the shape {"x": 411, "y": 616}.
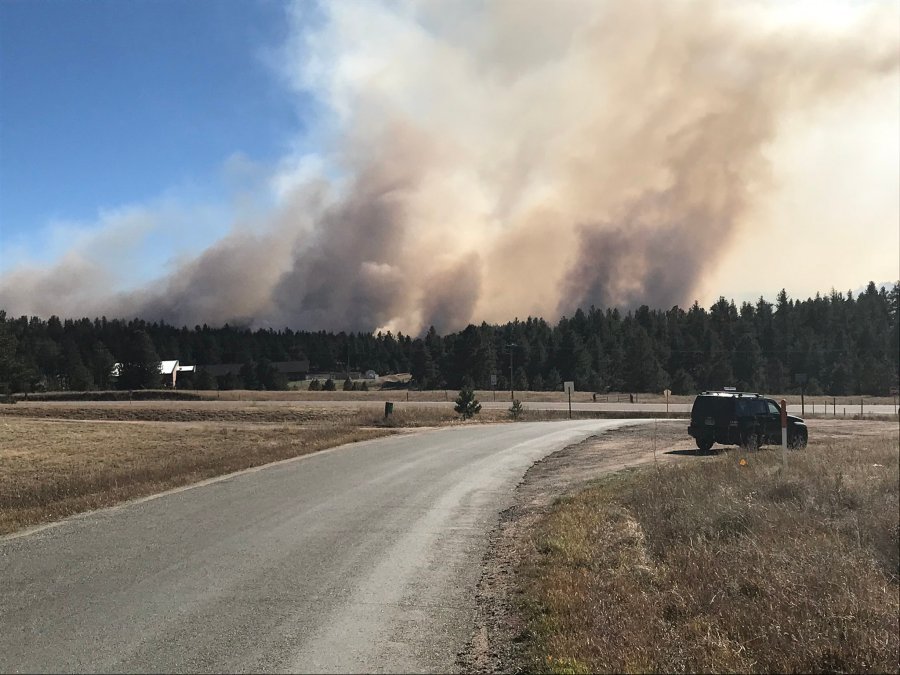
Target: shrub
{"x": 466, "y": 404}
{"x": 517, "y": 409}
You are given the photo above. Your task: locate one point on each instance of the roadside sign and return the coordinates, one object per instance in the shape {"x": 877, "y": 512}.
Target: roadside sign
{"x": 569, "y": 387}
{"x": 667, "y": 393}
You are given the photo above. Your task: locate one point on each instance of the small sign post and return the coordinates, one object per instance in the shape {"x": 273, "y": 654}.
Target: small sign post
{"x": 569, "y": 387}
{"x": 783, "y": 430}
{"x": 801, "y": 378}
{"x": 667, "y": 393}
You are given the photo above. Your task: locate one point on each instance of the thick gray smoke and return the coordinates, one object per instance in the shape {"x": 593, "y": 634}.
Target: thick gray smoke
{"x": 500, "y": 159}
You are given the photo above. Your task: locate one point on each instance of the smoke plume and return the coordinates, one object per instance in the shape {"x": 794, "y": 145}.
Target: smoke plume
{"x": 509, "y": 158}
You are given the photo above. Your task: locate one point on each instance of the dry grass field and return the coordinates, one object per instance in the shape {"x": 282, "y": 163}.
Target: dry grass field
{"x": 439, "y": 395}
{"x": 722, "y": 565}
{"x": 51, "y": 469}
{"x": 270, "y": 412}
{"x": 58, "y": 459}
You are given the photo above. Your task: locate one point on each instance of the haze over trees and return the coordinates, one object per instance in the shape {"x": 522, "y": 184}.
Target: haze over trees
{"x": 840, "y": 344}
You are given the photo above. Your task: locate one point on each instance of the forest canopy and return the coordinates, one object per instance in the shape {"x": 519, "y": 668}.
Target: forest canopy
{"x": 833, "y": 344}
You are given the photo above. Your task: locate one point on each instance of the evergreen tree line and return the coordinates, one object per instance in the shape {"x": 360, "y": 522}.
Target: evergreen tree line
{"x": 834, "y": 344}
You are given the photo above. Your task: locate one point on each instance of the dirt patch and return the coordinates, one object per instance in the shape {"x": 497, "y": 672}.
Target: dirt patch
{"x": 500, "y": 632}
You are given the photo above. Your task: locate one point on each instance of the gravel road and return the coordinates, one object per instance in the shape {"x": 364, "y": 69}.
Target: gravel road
{"x": 361, "y": 558}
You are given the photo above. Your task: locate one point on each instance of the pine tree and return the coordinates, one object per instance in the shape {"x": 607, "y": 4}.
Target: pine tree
{"x": 683, "y": 383}
{"x": 749, "y": 369}
{"x": 516, "y": 410}
{"x": 553, "y": 381}
{"x": 467, "y": 405}
{"x": 521, "y": 380}
{"x": 102, "y": 363}
{"x": 140, "y": 363}
{"x": 204, "y": 381}
{"x": 642, "y": 369}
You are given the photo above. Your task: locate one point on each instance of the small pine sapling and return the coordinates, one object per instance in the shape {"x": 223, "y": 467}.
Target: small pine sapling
{"x": 517, "y": 409}
{"x": 466, "y": 404}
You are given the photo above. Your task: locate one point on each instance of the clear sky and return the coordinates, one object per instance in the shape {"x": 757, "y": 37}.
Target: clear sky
{"x": 219, "y": 160}
{"x": 105, "y": 103}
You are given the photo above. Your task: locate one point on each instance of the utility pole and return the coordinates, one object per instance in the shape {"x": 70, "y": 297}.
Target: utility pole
{"x": 512, "y": 388}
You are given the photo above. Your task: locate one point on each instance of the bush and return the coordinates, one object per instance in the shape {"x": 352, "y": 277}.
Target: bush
{"x": 466, "y": 404}
{"x": 329, "y": 385}
{"x": 517, "y": 409}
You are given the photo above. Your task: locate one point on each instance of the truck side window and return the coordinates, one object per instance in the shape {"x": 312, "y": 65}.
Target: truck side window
{"x": 773, "y": 409}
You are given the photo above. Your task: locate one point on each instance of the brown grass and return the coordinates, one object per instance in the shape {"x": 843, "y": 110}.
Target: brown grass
{"x": 714, "y": 566}
{"x": 851, "y": 403}
{"x": 57, "y": 459}
{"x": 184, "y": 411}
{"x": 437, "y": 395}
{"x": 52, "y": 469}
{"x": 277, "y": 412}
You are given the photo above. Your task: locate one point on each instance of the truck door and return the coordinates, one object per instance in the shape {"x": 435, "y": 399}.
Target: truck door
{"x": 773, "y": 423}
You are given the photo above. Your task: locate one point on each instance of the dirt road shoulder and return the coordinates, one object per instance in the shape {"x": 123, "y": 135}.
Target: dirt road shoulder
{"x": 500, "y": 633}
{"x": 498, "y": 628}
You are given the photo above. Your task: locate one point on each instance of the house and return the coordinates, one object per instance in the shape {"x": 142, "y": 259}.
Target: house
{"x": 169, "y": 369}
{"x": 186, "y": 371}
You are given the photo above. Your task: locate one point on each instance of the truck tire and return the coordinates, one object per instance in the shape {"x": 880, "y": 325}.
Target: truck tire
{"x": 704, "y": 444}
{"x": 797, "y": 439}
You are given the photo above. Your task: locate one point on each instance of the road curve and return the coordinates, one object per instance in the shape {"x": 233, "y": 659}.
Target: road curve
{"x": 362, "y": 558}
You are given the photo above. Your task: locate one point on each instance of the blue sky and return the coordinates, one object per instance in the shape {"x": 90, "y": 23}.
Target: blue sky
{"x": 105, "y": 103}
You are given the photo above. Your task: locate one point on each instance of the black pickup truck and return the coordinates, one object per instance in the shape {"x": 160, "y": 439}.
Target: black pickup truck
{"x": 741, "y": 418}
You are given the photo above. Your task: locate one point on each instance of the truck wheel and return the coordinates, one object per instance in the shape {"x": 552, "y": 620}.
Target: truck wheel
{"x": 797, "y": 440}
{"x": 704, "y": 444}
